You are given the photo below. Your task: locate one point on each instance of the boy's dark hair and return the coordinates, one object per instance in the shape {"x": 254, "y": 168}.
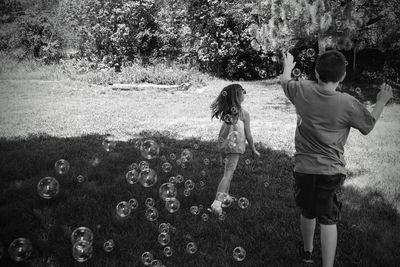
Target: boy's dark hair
{"x": 331, "y": 66}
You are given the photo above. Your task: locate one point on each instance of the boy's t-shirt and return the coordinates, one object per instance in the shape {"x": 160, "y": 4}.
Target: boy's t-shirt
{"x": 324, "y": 119}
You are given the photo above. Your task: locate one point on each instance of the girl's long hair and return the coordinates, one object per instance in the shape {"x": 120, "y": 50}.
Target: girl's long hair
{"x": 227, "y": 104}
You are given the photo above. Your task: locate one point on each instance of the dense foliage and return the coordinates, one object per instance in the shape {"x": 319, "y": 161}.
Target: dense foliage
{"x": 228, "y": 38}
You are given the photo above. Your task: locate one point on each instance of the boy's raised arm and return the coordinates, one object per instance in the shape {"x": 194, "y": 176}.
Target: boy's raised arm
{"x": 288, "y": 65}
{"x": 382, "y": 98}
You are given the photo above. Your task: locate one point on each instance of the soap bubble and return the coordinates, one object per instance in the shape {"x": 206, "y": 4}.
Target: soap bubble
{"x": 82, "y": 234}
{"x": 163, "y": 239}
{"x": 206, "y": 161}
{"x": 247, "y": 161}
{"x": 234, "y": 139}
{"x": 222, "y": 216}
{"x": 144, "y": 165}
{"x": 168, "y": 251}
{"x": 151, "y": 214}
{"x": 227, "y": 119}
{"x": 243, "y": 202}
{"x": 108, "y": 246}
{"x": 204, "y": 217}
{"x": 167, "y": 190}
{"x": 183, "y": 166}
{"x": 189, "y": 184}
{"x": 202, "y": 184}
{"x": 20, "y": 249}
{"x": 358, "y": 90}
{"x": 203, "y": 173}
{"x": 147, "y": 258}
{"x": 109, "y": 144}
{"x": 138, "y": 143}
{"x": 225, "y": 198}
{"x": 123, "y": 209}
{"x": 148, "y": 178}
{"x": 133, "y": 166}
{"x": 163, "y": 228}
{"x": 172, "y": 204}
{"x": 80, "y": 178}
{"x": 163, "y": 158}
{"x": 133, "y": 203}
{"x": 179, "y": 179}
{"x": 150, "y": 202}
{"x": 266, "y": 183}
{"x": 82, "y": 250}
{"x": 61, "y": 166}
{"x": 186, "y": 192}
{"x": 234, "y": 110}
{"x": 196, "y": 146}
{"x": 132, "y": 176}
{"x": 149, "y": 149}
{"x": 186, "y": 155}
{"x": 191, "y": 248}
{"x": 156, "y": 263}
{"x": 172, "y": 179}
{"x": 166, "y": 167}
{"x": 224, "y": 93}
{"x": 172, "y": 156}
{"x": 201, "y": 207}
{"x": 239, "y": 254}
{"x": 48, "y": 187}
{"x": 194, "y": 210}
{"x": 296, "y": 72}
{"x": 178, "y": 162}
{"x": 310, "y": 52}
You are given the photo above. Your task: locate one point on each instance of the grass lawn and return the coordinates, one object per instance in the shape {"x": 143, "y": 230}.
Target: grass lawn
{"x": 43, "y": 121}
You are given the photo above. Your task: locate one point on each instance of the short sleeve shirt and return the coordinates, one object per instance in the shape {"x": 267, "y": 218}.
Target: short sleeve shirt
{"x": 324, "y": 119}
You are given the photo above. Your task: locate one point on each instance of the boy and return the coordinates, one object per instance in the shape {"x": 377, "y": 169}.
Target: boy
{"x": 324, "y": 119}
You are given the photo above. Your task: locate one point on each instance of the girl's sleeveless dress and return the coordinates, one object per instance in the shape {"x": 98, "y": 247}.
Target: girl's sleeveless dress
{"x": 232, "y": 138}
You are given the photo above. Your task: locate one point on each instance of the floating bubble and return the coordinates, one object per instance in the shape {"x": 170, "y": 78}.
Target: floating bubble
{"x": 296, "y": 72}
{"x": 172, "y": 156}
{"x": 172, "y": 179}
{"x": 133, "y": 203}
{"x": 149, "y": 149}
{"x": 266, "y": 183}
{"x": 224, "y": 93}
{"x": 338, "y": 23}
{"x": 203, "y": 173}
{"x": 179, "y": 179}
{"x": 82, "y": 250}
{"x": 243, "y": 202}
{"x": 61, "y": 166}
{"x": 312, "y": 59}
{"x": 239, "y": 254}
{"x": 20, "y": 249}
{"x": 247, "y": 161}
{"x": 82, "y": 234}
{"x": 108, "y": 246}
{"x": 132, "y": 176}
{"x": 178, "y": 162}
{"x": 235, "y": 139}
{"x": 186, "y": 155}
{"x": 196, "y": 146}
{"x": 150, "y": 202}
{"x": 358, "y": 90}
{"x": 186, "y": 192}
{"x": 109, "y": 144}
{"x": 234, "y": 110}
{"x": 167, "y": 190}
{"x": 123, "y": 209}
{"x": 133, "y": 166}
{"x": 151, "y": 214}
{"x": 227, "y": 119}
{"x": 183, "y": 165}
{"x": 148, "y": 178}
{"x": 204, "y": 217}
{"x": 48, "y": 187}
{"x": 194, "y": 210}
{"x": 172, "y": 204}
{"x": 144, "y": 165}
{"x": 189, "y": 184}
{"x": 168, "y": 251}
{"x": 225, "y": 198}
{"x": 147, "y": 258}
{"x": 310, "y": 52}
{"x": 163, "y": 228}
{"x": 222, "y": 216}
{"x": 138, "y": 143}
{"x": 163, "y": 158}
{"x": 80, "y": 178}
{"x": 346, "y": 63}
{"x": 201, "y": 207}
{"x": 166, "y": 167}
{"x": 202, "y": 184}
{"x": 191, "y": 248}
{"x": 156, "y": 263}
{"x": 206, "y": 161}
{"x": 163, "y": 239}
{"x": 232, "y": 51}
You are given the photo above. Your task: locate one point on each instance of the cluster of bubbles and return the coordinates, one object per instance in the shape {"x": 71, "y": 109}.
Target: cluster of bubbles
{"x": 305, "y": 55}
{"x": 82, "y": 244}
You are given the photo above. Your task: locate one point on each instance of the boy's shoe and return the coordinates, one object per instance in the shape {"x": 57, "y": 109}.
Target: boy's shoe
{"x": 216, "y": 207}
{"x": 306, "y": 256}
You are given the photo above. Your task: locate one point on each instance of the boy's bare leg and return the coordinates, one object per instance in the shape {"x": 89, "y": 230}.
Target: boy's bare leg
{"x": 230, "y": 166}
{"x": 307, "y": 227}
{"x": 328, "y": 244}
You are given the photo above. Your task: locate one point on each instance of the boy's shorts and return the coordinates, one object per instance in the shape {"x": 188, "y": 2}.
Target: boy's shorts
{"x": 316, "y": 196}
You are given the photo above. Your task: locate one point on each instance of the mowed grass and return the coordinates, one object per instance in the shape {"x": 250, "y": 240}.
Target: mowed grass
{"x": 76, "y": 116}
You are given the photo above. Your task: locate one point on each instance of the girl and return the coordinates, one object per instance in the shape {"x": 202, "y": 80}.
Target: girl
{"x": 234, "y": 130}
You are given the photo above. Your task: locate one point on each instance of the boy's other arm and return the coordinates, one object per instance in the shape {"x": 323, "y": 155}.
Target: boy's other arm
{"x": 384, "y": 95}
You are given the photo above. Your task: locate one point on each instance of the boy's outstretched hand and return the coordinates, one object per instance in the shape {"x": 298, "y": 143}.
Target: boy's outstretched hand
{"x": 288, "y": 61}
{"x": 385, "y": 93}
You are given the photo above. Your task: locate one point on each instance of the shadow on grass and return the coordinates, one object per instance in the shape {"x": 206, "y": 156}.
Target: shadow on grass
{"x": 268, "y": 230}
